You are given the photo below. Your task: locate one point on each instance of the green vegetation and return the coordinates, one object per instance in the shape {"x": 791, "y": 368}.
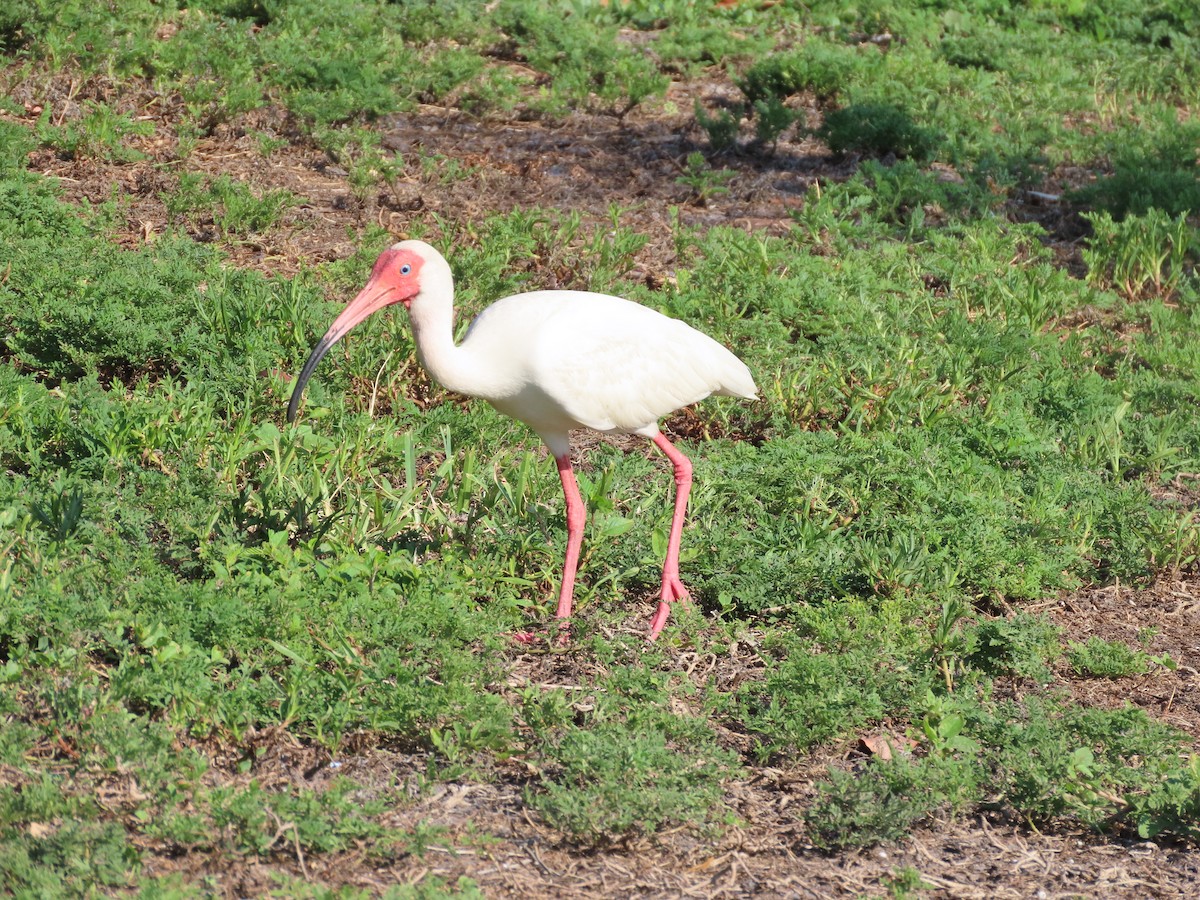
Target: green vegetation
{"x": 704, "y": 182}
{"x": 1111, "y": 659}
{"x": 231, "y": 206}
{"x": 952, "y": 427}
{"x": 101, "y": 132}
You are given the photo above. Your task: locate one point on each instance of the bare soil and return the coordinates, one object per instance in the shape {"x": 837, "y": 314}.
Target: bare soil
{"x": 591, "y": 164}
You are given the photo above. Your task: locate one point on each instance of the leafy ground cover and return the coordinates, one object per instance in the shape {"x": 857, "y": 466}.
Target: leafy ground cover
{"x": 944, "y": 571}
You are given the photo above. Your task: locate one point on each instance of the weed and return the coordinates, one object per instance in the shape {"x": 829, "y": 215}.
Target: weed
{"x": 1022, "y": 646}
{"x": 73, "y": 856}
{"x": 1141, "y": 255}
{"x": 1172, "y": 806}
{"x": 905, "y": 195}
{"x": 1090, "y": 764}
{"x": 704, "y": 182}
{"x": 587, "y": 65}
{"x": 884, "y": 800}
{"x": 434, "y": 888}
{"x": 15, "y": 144}
{"x": 601, "y": 785}
{"x": 972, "y": 51}
{"x": 370, "y": 168}
{"x": 615, "y": 780}
{"x": 268, "y": 143}
{"x": 243, "y": 212}
{"x": 771, "y": 120}
{"x": 62, "y": 515}
{"x": 1111, "y": 659}
{"x": 444, "y": 169}
{"x": 819, "y": 67}
{"x": 722, "y": 129}
{"x": 693, "y": 39}
{"x": 943, "y": 725}
{"x": 905, "y": 883}
{"x": 950, "y": 643}
{"x": 232, "y": 206}
{"x": 1154, "y": 171}
{"x": 807, "y": 696}
{"x": 877, "y": 128}
{"x": 125, "y": 318}
{"x": 101, "y": 133}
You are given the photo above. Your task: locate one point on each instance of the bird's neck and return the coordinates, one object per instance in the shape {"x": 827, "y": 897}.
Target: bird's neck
{"x": 432, "y": 317}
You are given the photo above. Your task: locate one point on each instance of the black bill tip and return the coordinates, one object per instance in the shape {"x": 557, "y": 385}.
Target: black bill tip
{"x": 310, "y": 366}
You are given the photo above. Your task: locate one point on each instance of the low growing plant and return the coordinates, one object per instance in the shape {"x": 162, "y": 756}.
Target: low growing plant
{"x": 1110, "y": 659}
{"x": 1140, "y": 255}
{"x": 878, "y": 129}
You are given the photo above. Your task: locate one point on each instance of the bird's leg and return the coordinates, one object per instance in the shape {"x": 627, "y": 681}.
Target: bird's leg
{"x": 672, "y": 587}
{"x": 576, "y": 517}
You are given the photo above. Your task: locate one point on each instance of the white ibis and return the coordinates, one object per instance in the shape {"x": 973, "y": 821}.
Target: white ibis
{"x": 556, "y": 360}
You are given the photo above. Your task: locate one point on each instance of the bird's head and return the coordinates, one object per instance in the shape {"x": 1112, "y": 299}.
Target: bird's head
{"x": 398, "y": 276}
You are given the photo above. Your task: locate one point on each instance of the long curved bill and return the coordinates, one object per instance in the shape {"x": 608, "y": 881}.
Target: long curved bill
{"x": 375, "y": 296}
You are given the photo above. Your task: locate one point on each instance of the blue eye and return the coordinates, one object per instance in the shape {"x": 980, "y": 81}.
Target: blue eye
{"x": 405, "y": 269}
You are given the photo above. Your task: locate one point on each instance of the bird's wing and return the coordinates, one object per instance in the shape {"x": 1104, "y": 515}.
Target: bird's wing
{"x": 614, "y": 365}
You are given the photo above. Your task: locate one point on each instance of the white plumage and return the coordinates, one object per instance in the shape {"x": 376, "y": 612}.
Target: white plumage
{"x": 585, "y": 360}
{"x": 558, "y": 361}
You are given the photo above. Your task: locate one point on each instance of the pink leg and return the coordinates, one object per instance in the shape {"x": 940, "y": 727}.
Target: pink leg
{"x": 576, "y": 517}
{"x": 672, "y": 587}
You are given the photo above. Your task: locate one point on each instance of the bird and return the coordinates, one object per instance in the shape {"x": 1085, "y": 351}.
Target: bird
{"x": 559, "y": 361}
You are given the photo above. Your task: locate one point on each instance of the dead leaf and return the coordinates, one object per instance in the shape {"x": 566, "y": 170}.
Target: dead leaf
{"x": 885, "y": 746}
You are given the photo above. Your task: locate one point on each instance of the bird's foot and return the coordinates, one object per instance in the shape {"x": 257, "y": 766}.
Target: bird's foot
{"x": 672, "y": 592}
{"x": 558, "y": 637}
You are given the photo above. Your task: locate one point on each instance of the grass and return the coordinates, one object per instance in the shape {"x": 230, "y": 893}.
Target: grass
{"x": 952, "y": 427}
